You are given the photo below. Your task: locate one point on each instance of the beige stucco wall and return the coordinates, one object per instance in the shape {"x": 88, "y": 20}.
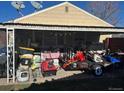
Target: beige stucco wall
{"x": 58, "y": 16}
{"x": 2, "y": 39}
{"x": 103, "y": 37}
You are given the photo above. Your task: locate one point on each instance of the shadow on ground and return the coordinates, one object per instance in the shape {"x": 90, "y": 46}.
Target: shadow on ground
{"x": 78, "y": 82}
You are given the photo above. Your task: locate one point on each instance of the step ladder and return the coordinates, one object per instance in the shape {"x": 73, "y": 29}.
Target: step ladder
{"x": 10, "y": 38}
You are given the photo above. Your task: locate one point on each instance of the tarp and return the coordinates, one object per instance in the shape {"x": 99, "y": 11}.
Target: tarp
{"x": 50, "y": 55}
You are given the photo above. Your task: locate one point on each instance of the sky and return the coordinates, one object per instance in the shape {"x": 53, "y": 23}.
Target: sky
{"x": 8, "y": 12}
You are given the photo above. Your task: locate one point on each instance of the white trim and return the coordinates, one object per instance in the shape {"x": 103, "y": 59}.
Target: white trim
{"x": 7, "y": 67}
{"x": 82, "y": 29}
{"x": 13, "y": 33}
{"x": 61, "y": 5}
{"x": 13, "y": 61}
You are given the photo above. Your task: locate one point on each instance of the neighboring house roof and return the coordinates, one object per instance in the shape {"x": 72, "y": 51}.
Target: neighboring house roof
{"x": 63, "y": 14}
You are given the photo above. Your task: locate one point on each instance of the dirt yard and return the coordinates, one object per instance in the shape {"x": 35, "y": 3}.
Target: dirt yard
{"x": 72, "y": 80}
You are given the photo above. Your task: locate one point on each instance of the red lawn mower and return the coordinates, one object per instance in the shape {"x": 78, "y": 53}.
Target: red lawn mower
{"x": 49, "y": 66}
{"x": 75, "y": 62}
{"x": 80, "y": 62}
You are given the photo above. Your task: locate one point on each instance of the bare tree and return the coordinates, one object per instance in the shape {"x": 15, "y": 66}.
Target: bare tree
{"x": 106, "y": 10}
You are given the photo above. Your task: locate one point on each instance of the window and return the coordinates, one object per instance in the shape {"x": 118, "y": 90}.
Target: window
{"x": 66, "y": 9}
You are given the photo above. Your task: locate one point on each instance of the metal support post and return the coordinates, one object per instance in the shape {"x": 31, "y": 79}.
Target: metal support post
{"x": 10, "y": 35}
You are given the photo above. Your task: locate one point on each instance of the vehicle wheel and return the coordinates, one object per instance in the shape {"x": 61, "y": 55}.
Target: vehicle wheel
{"x": 117, "y": 66}
{"x": 83, "y": 65}
{"x": 74, "y": 65}
{"x": 67, "y": 68}
{"x": 97, "y": 70}
{"x": 53, "y": 72}
{"x": 45, "y": 74}
{"x": 50, "y": 73}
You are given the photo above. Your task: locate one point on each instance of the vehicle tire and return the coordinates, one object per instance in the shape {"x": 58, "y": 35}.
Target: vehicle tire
{"x": 54, "y": 72}
{"x": 74, "y": 65}
{"x": 68, "y": 68}
{"x": 83, "y": 65}
{"x": 45, "y": 74}
{"x": 97, "y": 70}
{"x": 51, "y": 73}
{"x": 117, "y": 66}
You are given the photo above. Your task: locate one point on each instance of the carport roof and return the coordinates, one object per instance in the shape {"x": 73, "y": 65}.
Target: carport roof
{"x": 52, "y": 25}
{"x": 61, "y": 27}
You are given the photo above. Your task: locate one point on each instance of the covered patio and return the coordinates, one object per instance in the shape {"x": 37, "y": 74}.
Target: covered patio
{"x": 48, "y": 37}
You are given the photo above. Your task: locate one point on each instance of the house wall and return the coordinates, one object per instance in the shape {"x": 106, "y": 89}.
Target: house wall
{"x": 2, "y": 38}
{"x": 118, "y": 35}
{"x": 59, "y": 16}
{"x": 104, "y": 36}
